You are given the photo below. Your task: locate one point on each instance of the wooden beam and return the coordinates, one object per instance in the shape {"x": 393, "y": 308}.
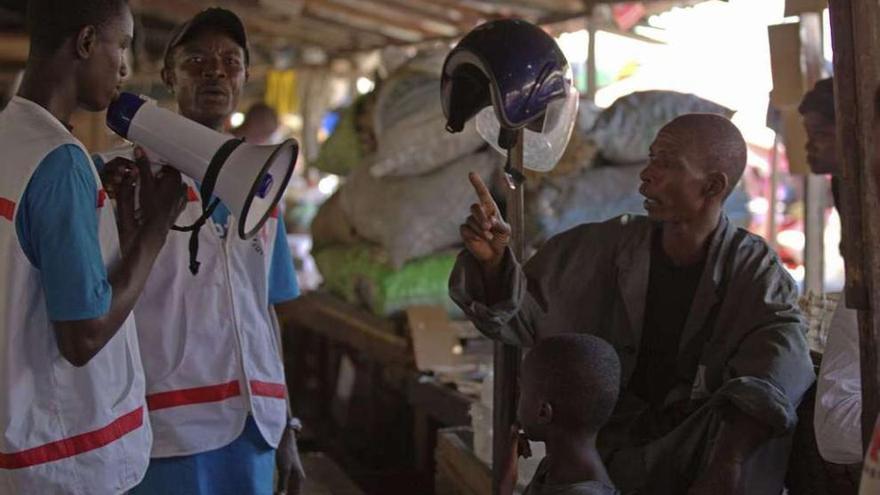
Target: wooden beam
{"x": 326, "y": 9}
{"x": 854, "y": 30}
{"x": 815, "y": 187}
{"x": 254, "y": 19}
{"x": 461, "y": 18}
{"x": 400, "y": 16}
{"x": 360, "y": 37}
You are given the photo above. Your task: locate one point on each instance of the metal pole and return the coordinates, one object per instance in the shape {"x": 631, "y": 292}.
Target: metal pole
{"x": 592, "y": 71}
{"x": 771, "y": 200}
{"x": 507, "y": 357}
{"x": 814, "y": 186}
{"x": 814, "y": 233}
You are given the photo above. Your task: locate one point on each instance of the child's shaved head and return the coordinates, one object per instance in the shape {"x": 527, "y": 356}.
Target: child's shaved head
{"x": 577, "y": 375}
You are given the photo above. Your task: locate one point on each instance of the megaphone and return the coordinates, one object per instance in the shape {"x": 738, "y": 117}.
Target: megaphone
{"x": 249, "y": 179}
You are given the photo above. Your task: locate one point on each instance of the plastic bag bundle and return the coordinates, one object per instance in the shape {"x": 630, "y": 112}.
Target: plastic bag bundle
{"x": 361, "y": 275}
{"x": 625, "y": 130}
{"x": 403, "y": 94}
{"x": 411, "y": 217}
{"x": 419, "y": 143}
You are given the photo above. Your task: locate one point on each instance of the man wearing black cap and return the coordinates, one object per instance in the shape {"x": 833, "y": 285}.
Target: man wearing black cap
{"x": 210, "y": 341}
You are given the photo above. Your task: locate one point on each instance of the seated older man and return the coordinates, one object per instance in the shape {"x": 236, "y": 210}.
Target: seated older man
{"x": 703, "y": 315}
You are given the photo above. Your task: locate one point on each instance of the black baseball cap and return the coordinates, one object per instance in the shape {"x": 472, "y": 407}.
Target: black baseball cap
{"x": 216, "y": 18}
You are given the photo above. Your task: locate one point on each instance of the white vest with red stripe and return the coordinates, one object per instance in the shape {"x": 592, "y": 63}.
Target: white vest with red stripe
{"x": 65, "y": 429}
{"x": 210, "y": 342}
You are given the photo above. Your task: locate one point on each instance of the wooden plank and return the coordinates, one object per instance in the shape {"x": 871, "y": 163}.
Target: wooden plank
{"x": 403, "y": 17}
{"x": 340, "y": 322}
{"x": 815, "y": 187}
{"x": 325, "y": 477}
{"x": 464, "y": 19}
{"x": 328, "y": 10}
{"x": 445, "y": 405}
{"x": 367, "y": 37}
{"x": 854, "y": 29}
{"x": 459, "y": 470}
{"x": 255, "y": 20}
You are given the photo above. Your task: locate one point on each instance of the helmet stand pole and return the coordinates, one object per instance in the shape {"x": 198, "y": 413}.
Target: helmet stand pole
{"x": 507, "y": 357}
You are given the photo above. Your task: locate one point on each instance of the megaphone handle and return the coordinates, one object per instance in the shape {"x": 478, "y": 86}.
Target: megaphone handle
{"x": 194, "y": 237}
{"x": 194, "y": 252}
{"x": 207, "y": 190}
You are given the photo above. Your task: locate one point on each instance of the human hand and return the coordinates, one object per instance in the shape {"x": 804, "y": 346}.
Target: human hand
{"x": 162, "y": 196}
{"x": 120, "y": 178}
{"x": 291, "y": 474}
{"x": 485, "y": 233}
{"x": 117, "y": 172}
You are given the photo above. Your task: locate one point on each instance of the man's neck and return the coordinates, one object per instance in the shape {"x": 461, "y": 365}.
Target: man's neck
{"x": 49, "y": 84}
{"x": 685, "y": 243}
{"x": 572, "y": 458}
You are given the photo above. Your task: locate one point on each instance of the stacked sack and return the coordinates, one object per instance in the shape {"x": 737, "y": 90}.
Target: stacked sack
{"x": 603, "y": 181}
{"x": 387, "y": 238}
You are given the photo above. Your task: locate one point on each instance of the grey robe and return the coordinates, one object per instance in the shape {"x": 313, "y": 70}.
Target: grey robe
{"x": 743, "y": 343}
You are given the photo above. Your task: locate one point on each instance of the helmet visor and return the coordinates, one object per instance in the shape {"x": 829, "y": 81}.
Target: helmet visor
{"x": 542, "y": 150}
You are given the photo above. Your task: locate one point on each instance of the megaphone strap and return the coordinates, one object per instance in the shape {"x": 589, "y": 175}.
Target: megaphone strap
{"x": 207, "y": 190}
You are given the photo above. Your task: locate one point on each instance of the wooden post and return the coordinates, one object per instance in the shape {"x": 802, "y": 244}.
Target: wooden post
{"x": 854, "y": 31}
{"x": 592, "y": 70}
{"x": 815, "y": 186}
{"x": 507, "y": 357}
{"x": 774, "y": 184}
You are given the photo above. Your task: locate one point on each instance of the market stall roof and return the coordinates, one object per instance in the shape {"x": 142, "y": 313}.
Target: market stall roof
{"x": 326, "y": 28}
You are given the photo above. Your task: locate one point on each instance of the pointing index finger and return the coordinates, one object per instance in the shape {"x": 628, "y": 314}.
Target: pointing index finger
{"x": 482, "y": 192}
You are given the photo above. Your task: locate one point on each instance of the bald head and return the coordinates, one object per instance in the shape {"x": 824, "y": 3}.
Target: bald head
{"x": 708, "y": 141}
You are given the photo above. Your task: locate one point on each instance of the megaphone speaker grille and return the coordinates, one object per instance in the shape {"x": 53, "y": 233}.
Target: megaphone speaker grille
{"x": 268, "y": 189}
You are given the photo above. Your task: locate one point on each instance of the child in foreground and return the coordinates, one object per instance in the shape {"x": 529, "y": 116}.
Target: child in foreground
{"x": 568, "y": 390}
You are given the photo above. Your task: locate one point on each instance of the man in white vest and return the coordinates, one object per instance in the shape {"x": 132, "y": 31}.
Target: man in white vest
{"x": 72, "y": 405}
{"x": 210, "y": 341}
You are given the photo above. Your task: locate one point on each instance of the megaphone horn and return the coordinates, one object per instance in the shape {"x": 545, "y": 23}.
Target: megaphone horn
{"x": 248, "y": 178}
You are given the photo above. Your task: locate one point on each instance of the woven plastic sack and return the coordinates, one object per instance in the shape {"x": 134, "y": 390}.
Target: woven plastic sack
{"x": 419, "y": 143}
{"x": 625, "y": 130}
{"x": 411, "y": 217}
{"x": 330, "y": 225}
{"x": 343, "y": 150}
{"x": 361, "y": 275}
{"x": 401, "y": 95}
{"x": 596, "y": 195}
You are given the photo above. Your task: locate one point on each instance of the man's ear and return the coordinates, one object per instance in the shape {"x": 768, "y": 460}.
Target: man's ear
{"x": 86, "y": 39}
{"x": 168, "y": 78}
{"x": 716, "y": 184}
{"x": 545, "y": 414}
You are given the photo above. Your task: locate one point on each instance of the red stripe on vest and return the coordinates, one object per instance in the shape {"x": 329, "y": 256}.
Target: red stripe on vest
{"x": 274, "y": 212}
{"x": 191, "y": 194}
{"x": 7, "y": 208}
{"x": 266, "y": 389}
{"x": 102, "y": 197}
{"x": 78, "y": 444}
{"x": 212, "y": 393}
{"x": 197, "y": 395}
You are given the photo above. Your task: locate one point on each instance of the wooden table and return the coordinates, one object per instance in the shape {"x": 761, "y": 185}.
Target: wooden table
{"x": 380, "y": 345}
{"x": 325, "y": 477}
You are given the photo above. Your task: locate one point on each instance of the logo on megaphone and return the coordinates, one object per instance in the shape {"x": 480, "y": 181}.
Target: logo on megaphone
{"x": 250, "y": 179}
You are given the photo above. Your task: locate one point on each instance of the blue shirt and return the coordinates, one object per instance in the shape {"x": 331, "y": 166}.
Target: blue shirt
{"x": 282, "y": 276}
{"x": 57, "y": 227}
